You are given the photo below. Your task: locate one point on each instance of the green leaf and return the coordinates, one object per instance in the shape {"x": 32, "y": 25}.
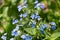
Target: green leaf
{"x": 13, "y": 2}
{"x": 55, "y": 35}
{"x": 31, "y": 31}
{"x": 5, "y": 10}
{"x": 9, "y": 27}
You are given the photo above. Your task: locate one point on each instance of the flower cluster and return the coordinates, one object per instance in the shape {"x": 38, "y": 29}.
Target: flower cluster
{"x": 35, "y": 16}
{"x": 23, "y": 16}
{"x": 20, "y": 7}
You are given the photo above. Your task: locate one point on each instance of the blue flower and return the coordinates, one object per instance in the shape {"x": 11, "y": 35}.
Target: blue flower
{"x": 37, "y": 5}
{"x": 25, "y": 14}
{"x": 17, "y": 27}
{"x": 36, "y": 16}
{"x": 42, "y": 31}
{"x": 12, "y": 39}
{"x": 19, "y": 8}
{"x": 52, "y": 23}
{"x": 33, "y": 24}
{"x": 32, "y": 16}
{"x": 53, "y": 27}
{"x": 42, "y": 6}
{"x": 42, "y": 28}
{"x": 14, "y": 33}
{"x": 21, "y": 19}
{"x": 15, "y": 21}
{"x": 4, "y": 36}
{"x": 26, "y": 37}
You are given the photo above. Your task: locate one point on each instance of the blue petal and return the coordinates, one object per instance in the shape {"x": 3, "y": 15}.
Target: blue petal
{"x": 33, "y": 25}
{"x": 53, "y": 27}
{"x": 25, "y": 14}
{"x": 52, "y": 23}
{"x": 21, "y": 19}
{"x": 3, "y": 37}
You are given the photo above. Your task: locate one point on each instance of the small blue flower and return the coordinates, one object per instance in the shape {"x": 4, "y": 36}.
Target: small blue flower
{"x": 32, "y": 16}
{"x": 15, "y": 21}
{"x": 17, "y": 27}
{"x": 3, "y": 37}
{"x": 36, "y": 16}
{"x": 12, "y": 39}
{"x": 21, "y": 19}
{"x": 25, "y": 14}
{"x": 42, "y": 6}
{"x": 37, "y": 5}
{"x": 33, "y": 24}
{"x": 53, "y": 27}
{"x": 42, "y": 28}
{"x": 26, "y": 37}
{"x": 19, "y": 8}
{"x": 14, "y": 33}
{"x": 52, "y": 23}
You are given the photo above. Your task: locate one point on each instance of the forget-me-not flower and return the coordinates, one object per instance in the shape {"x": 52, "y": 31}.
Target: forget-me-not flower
{"x": 12, "y": 39}
{"x": 21, "y": 19}
{"x": 32, "y": 16}
{"x": 25, "y": 14}
{"x": 15, "y": 31}
{"x": 53, "y": 25}
{"x": 26, "y": 37}
{"x": 33, "y": 24}
{"x": 42, "y": 28}
{"x": 15, "y": 21}
{"x": 40, "y": 5}
{"x": 4, "y": 36}
{"x": 20, "y": 7}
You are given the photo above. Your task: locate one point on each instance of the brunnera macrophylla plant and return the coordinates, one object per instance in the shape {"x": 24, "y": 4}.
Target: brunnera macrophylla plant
{"x": 30, "y": 20}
